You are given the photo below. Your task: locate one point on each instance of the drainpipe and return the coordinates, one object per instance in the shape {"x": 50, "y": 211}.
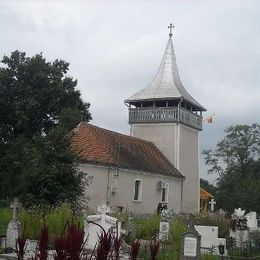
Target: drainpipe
{"x": 181, "y": 194}
{"x": 178, "y": 117}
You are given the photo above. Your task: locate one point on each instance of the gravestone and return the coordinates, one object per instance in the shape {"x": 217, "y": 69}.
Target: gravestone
{"x": 164, "y": 231}
{"x": 14, "y": 226}
{"x": 251, "y": 221}
{"x": 164, "y": 228}
{"x": 191, "y": 242}
{"x": 239, "y": 230}
{"x": 92, "y": 231}
{"x": 209, "y": 237}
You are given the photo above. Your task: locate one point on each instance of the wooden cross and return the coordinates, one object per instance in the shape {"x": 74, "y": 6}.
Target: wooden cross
{"x": 15, "y": 206}
{"x": 171, "y": 26}
{"x": 212, "y": 204}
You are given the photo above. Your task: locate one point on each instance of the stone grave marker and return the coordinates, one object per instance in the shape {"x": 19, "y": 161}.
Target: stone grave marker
{"x": 251, "y": 221}
{"x": 92, "y": 231}
{"x": 164, "y": 231}
{"x": 14, "y": 226}
{"x": 240, "y": 231}
{"x": 191, "y": 242}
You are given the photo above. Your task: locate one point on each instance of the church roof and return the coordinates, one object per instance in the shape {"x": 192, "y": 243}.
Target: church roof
{"x": 166, "y": 84}
{"x": 97, "y": 145}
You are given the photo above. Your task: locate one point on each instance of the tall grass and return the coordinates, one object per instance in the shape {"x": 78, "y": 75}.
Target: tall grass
{"x": 146, "y": 228}
{"x": 177, "y": 228}
{"x": 5, "y": 217}
{"x": 33, "y": 220}
{"x": 209, "y": 219}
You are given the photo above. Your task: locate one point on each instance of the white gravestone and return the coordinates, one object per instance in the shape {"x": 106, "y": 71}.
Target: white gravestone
{"x": 251, "y": 221}
{"x": 164, "y": 231}
{"x": 190, "y": 246}
{"x": 92, "y": 231}
{"x": 209, "y": 236}
{"x": 241, "y": 232}
{"x": 14, "y": 226}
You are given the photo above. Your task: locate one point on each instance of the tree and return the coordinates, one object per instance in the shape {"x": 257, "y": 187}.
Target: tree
{"x": 39, "y": 106}
{"x": 204, "y": 184}
{"x": 236, "y": 161}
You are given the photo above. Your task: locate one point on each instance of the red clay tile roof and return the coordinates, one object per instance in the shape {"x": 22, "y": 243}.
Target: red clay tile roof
{"x": 97, "y": 145}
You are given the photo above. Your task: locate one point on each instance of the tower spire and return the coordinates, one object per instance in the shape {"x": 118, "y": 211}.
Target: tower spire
{"x": 166, "y": 84}
{"x": 171, "y": 26}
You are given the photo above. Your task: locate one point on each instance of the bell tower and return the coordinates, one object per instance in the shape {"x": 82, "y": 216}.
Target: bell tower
{"x": 167, "y": 115}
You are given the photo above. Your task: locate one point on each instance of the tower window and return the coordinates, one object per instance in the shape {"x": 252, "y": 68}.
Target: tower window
{"x": 173, "y": 103}
{"x": 160, "y": 103}
{"x": 138, "y": 186}
{"x": 147, "y": 104}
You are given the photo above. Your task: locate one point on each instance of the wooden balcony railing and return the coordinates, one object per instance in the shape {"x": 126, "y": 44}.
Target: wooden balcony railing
{"x": 165, "y": 114}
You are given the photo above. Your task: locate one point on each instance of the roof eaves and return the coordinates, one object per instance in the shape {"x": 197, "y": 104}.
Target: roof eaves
{"x": 176, "y": 175}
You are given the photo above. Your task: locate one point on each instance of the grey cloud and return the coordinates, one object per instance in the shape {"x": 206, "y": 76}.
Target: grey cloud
{"x": 114, "y": 49}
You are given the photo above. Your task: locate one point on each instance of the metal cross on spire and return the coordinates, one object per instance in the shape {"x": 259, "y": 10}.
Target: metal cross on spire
{"x": 171, "y": 26}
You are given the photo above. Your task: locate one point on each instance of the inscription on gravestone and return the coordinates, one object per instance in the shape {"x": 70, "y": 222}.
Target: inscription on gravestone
{"x": 190, "y": 246}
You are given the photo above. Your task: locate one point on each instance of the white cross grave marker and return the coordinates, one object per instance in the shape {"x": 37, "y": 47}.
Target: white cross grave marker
{"x": 103, "y": 209}
{"x": 15, "y": 206}
{"x": 212, "y": 204}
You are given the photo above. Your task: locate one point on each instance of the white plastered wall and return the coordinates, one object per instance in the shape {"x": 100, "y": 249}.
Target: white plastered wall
{"x": 179, "y": 143}
{"x": 123, "y": 196}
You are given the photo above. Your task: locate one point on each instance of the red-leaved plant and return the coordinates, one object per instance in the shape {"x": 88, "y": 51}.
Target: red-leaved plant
{"x": 42, "y": 253}
{"x": 154, "y": 248}
{"x": 134, "y": 251}
{"x": 69, "y": 246}
{"x": 117, "y": 247}
{"x": 20, "y": 245}
{"x": 104, "y": 248}
{"x": 60, "y": 248}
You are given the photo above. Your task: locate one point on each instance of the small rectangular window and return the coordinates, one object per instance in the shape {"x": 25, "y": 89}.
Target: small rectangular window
{"x": 165, "y": 192}
{"x": 137, "y": 190}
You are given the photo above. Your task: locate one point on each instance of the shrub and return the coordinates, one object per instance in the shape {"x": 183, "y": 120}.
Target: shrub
{"x": 146, "y": 228}
{"x": 211, "y": 219}
{"x": 177, "y": 228}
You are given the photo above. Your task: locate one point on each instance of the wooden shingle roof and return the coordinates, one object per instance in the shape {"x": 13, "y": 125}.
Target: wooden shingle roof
{"x": 205, "y": 194}
{"x": 97, "y": 145}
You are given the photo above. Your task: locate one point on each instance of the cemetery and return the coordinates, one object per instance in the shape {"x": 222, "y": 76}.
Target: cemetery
{"x": 118, "y": 235}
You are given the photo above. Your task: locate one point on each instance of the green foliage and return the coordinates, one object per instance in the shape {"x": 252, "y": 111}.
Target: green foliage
{"x": 177, "y": 229}
{"x": 204, "y": 184}
{"x": 33, "y": 221}
{"x": 5, "y": 217}
{"x": 209, "y": 257}
{"x": 39, "y": 106}
{"x": 236, "y": 161}
{"x": 146, "y": 228}
{"x": 209, "y": 219}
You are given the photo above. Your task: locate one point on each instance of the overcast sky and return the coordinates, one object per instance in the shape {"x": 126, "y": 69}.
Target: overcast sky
{"x": 114, "y": 49}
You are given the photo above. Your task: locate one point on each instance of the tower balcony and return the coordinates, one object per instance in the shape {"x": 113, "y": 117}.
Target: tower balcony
{"x": 165, "y": 115}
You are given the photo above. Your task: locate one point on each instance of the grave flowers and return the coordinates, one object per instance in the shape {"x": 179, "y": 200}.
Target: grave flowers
{"x": 238, "y": 221}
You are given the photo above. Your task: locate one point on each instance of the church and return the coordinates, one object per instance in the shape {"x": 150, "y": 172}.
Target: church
{"x": 157, "y": 165}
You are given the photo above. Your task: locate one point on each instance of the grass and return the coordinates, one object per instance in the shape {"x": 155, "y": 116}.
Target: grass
{"x": 33, "y": 221}
{"x": 146, "y": 228}
{"x": 5, "y": 217}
